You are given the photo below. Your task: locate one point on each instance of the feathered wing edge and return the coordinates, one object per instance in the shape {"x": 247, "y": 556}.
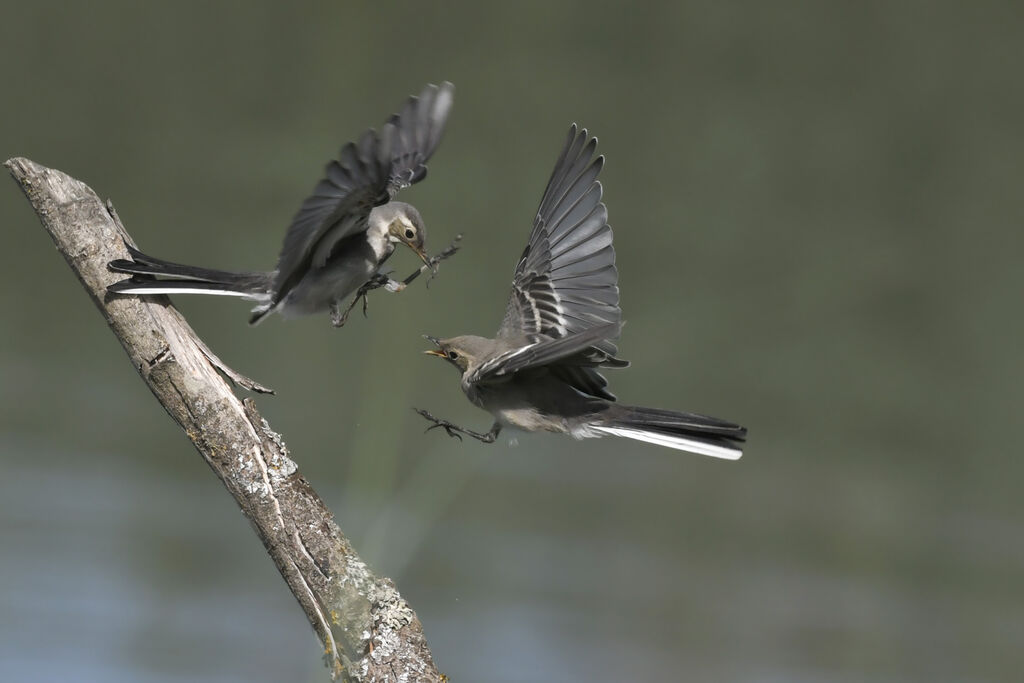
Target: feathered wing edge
{"x": 566, "y": 280}
{"x": 548, "y": 351}
{"x": 413, "y": 134}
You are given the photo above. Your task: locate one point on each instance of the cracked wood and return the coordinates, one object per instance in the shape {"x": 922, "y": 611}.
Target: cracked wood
{"x": 368, "y": 632}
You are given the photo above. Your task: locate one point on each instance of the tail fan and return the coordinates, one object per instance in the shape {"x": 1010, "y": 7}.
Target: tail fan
{"x": 683, "y": 431}
{"x": 156, "y": 276}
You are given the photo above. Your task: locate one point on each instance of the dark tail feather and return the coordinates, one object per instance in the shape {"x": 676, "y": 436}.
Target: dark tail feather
{"x": 166, "y": 277}
{"x": 683, "y": 431}
{"x": 261, "y": 312}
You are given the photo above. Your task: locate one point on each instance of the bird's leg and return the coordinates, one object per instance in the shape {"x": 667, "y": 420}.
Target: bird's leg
{"x": 456, "y": 431}
{"x": 339, "y": 317}
{"x": 434, "y": 261}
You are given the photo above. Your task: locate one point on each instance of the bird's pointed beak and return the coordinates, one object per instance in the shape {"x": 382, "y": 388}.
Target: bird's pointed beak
{"x": 434, "y": 352}
{"x": 423, "y": 256}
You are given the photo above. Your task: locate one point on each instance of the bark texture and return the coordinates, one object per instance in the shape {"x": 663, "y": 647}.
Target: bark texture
{"x": 368, "y": 632}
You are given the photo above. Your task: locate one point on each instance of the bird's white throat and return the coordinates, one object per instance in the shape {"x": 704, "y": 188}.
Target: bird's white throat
{"x": 379, "y": 239}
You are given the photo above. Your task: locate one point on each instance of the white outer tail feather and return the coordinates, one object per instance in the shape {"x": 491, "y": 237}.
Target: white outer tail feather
{"x": 188, "y": 290}
{"x": 680, "y": 443}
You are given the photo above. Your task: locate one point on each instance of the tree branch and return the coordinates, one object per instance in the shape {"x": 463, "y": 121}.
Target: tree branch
{"x": 368, "y": 631}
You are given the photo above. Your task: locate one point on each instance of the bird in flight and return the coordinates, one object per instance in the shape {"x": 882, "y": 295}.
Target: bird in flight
{"x": 342, "y": 234}
{"x": 540, "y": 373}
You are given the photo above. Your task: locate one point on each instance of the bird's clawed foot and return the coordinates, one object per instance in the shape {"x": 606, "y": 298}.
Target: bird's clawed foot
{"x": 339, "y": 317}
{"x": 455, "y": 431}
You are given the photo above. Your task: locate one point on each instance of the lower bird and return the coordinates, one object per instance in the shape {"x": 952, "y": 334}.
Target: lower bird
{"x": 540, "y": 372}
{"x": 342, "y": 234}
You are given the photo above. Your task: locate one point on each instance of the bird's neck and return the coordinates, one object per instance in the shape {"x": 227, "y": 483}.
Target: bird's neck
{"x": 380, "y": 243}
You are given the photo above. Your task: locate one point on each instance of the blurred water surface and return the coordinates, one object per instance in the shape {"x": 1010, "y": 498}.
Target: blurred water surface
{"x": 817, "y": 212}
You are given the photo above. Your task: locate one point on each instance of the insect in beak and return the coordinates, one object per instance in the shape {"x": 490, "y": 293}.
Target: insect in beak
{"x": 434, "y": 352}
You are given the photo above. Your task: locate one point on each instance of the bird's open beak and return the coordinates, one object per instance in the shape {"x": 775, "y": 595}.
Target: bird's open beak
{"x": 434, "y": 352}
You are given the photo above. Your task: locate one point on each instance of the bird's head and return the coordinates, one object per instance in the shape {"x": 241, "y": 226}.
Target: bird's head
{"x": 462, "y": 352}
{"x": 405, "y": 226}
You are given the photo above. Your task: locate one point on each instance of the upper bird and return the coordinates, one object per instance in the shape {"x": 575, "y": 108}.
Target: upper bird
{"x": 539, "y": 372}
{"x": 342, "y": 233}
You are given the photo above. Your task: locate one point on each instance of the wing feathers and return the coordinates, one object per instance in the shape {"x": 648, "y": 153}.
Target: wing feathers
{"x": 566, "y": 281}
{"x": 571, "y": 150}
{"x": 570, "y": 249}
{"x": 583, "y": 209}
{"x": 544, "y": 352}
{"x": 573, "y": 194}
{"x": 585, "y": 229}
{"x": 366, "y": 173}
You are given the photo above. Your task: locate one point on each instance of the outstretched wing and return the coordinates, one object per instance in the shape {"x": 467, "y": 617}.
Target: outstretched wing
{"x": 576, "y": 350}
{"x": 566, "y": 280}
{"x": 366, "y": 174}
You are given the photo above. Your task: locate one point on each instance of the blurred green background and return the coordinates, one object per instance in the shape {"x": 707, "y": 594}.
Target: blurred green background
{"x": 817, "y": 210}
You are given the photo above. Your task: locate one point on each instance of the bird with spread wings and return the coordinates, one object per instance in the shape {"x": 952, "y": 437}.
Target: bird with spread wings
{"x": 342, "y": 234}
{"x": 540, "y": 372}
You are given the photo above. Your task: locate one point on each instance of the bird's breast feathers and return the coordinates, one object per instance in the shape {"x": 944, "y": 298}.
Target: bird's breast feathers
{"x": 527, "y": 419}
{"x": 511, "y": 412}
{"x": 380, "y": 245}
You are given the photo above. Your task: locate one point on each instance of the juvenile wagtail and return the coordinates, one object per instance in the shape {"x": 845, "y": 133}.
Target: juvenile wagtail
{"x": 540, "y": 372}
{"x": 342, "y": 234}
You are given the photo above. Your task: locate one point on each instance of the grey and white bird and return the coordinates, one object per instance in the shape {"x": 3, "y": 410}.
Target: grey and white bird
{"x": 540, "y": 372}
{"x": 342, "y": 234}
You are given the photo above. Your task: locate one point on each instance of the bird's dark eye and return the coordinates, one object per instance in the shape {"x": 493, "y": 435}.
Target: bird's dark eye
{"x": 409, "y": 234}
{"x": 452, "y": 355}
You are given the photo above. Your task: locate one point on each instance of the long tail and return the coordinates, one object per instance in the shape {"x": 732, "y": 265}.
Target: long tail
{"x": 166, "y": 277}
{"x": 683, "y": 431}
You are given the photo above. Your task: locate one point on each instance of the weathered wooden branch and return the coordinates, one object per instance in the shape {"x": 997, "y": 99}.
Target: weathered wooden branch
{"x": 368, "y": 631}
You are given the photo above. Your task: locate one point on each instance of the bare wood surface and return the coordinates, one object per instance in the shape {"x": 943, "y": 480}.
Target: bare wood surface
{"x": 369, "y": 633}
